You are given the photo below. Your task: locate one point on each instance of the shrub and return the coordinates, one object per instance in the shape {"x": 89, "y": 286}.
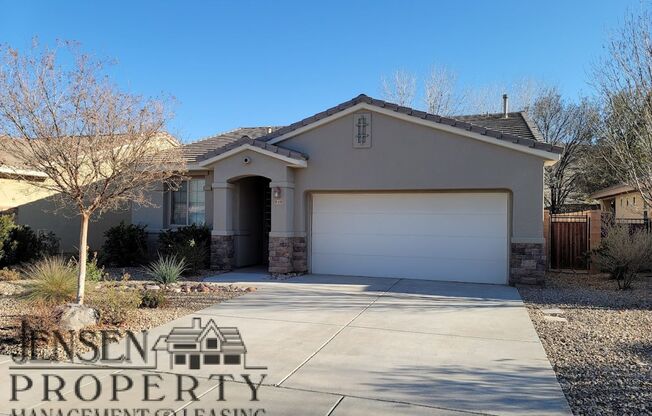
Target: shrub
{"x": 624, "y": 254}
{"x": 188, "y": 243}
{"x": 125, "y": 245}
{"x": 152, "y": 299}
{"x": 8, "y": 275}
{"x": 166, "y": 269}
{"x": 54, "y": 281}
{"x": 6, "y": 225}
{"x": 20, "y": 244}
{"x": 114, "y": 303}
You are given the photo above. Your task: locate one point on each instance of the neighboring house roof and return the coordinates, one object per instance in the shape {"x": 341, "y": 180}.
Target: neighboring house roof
{"x": 11, "y": 165}
{"x": 196, "y": 151}
{"x": 508, "y": 135}
{"x": 613, "y": 191}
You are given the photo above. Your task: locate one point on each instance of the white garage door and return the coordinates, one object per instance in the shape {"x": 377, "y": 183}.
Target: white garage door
{"x": 435, "y": 236}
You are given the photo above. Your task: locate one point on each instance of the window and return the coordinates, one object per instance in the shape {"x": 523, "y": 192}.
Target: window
{"x": 634, "y": 201}
{"x": 231, "y": 359}
{"x": 179, "y": 359}
{"x": 212, "y": 359}
{"x": 211, "y": 343}
{"x": 189, "y": 203}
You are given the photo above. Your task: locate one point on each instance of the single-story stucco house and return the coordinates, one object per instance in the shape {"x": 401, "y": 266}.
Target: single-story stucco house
{"x": 370, "y": 188}
{"x": 624, "y": 202}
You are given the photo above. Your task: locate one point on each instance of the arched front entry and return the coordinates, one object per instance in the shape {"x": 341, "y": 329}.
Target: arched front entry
{"x": 251, "y": 220}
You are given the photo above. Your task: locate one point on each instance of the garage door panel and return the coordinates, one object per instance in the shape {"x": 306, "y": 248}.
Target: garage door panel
{"x": 406, "y": 223}
{"x": 385, "y": 266}
{"x": 422, "y": 246}
{"x": 445, "y": 203}
{"x": 439, "y": 236}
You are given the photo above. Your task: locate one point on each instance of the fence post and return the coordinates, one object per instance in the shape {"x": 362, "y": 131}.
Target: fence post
{"x": 595, "y": 235}
{"x": 546, "y": 236}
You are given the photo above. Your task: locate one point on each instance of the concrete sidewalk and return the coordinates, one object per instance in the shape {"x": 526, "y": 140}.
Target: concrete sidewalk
{"x": 356, "y": 346}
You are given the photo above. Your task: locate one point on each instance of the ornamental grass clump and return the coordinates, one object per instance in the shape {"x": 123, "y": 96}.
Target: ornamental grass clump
{"x": 166, "y": 269}
{"x": 53, "y": 280}
{"x": 624, "y": 253}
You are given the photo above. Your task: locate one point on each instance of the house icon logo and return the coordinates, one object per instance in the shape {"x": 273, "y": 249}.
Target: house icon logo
{"x": 202, "y": 346}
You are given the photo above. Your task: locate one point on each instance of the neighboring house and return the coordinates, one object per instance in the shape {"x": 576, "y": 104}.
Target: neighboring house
{"x": 370, "y": 188}
{"x": 197, "y": 346}
{"x": 36, "y": 207}
{"x": 623, "y": 201}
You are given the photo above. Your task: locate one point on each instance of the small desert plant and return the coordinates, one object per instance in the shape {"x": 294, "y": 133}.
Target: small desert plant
{"x": 152, "y": 299}
{"x": 166, "y": 269}
{"x": 624, "y": 253}
{"x": 114, "y": 303}
{"x": 8, "y": 275}
{"x": 94, "y": 272}
{"x": 125, "y": 245}
{"x": 53, "y": 280}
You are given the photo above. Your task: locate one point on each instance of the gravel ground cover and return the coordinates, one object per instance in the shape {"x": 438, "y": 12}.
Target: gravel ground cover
{"x": 181, "y": 299}
{"x": 598, "y": 340}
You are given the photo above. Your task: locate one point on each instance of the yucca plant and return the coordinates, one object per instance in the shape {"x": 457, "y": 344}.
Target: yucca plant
{"x": 53, "y": 280}
{"x": 166, "y": 269}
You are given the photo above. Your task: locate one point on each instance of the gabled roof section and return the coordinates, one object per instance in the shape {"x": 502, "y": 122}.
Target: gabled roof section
{"x": 508, "y": 132}
{"x": 195, "y": 151}
{"x": 290, "y": 156}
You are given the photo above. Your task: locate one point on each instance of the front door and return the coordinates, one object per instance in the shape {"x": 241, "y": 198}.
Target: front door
{"x": 194, "y": 362}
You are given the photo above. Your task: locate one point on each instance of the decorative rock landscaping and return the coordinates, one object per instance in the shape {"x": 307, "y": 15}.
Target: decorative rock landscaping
{"x": 598, "y": 339}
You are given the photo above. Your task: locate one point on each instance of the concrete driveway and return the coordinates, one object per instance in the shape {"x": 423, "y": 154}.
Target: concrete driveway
{"x": 337, "y": 345}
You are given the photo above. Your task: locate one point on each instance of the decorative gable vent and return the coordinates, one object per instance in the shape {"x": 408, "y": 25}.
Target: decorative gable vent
{"x": 362, "y": 130}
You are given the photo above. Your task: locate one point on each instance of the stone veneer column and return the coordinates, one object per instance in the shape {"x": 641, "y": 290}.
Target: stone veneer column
{"x": 527, "y": 264}
{"x": 287, "y": 255}
{"x": 222, "y": 252}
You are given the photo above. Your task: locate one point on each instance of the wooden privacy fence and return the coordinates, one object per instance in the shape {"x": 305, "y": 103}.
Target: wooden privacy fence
{"x": 570, "y": 237}
{"x": 569, "y": 241}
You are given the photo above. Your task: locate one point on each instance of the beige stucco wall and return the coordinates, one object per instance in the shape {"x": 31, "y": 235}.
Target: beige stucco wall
{"x": 629, "y": 205}
{"x": 407, "y": 156}
{"x": 14, "y": 193}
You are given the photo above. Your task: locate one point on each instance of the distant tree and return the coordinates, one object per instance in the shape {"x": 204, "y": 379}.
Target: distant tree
{"x": 623, "y": 79}
{"x": 569, "y": 125}
{"x": 441, "y": 96}
{"x": 400, "y": 88}
{"x": 99, "y": 147}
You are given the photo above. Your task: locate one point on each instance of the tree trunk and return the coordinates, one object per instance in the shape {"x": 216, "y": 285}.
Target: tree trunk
{"x": 83, "y": 252}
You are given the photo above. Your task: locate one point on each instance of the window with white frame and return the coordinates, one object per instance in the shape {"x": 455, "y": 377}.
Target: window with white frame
{"x": 188, "y": 203}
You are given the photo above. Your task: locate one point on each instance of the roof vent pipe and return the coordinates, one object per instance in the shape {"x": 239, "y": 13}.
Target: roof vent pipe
{"x": 505, "y": 106}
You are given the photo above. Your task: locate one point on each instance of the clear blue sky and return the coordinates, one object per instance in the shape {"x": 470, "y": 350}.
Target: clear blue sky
{"x": 247, "y": 63}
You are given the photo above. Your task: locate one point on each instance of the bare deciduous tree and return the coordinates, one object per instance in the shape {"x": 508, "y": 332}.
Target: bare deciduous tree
{"x": 623, "y": 80}
{"x": 441, "y": 95}
{"x": 400, "y": 88}
{"x": 571, "y": 126}
{"x": 99, "y": 147}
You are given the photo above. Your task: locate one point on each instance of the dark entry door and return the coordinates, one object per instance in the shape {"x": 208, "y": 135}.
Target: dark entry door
{"x": 194, "y": 362}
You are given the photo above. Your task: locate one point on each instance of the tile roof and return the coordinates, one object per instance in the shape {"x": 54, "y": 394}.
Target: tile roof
{"x": 194, "y": 151}
{"x": 516, "y": 123}
{"x": 253, "y": 142}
